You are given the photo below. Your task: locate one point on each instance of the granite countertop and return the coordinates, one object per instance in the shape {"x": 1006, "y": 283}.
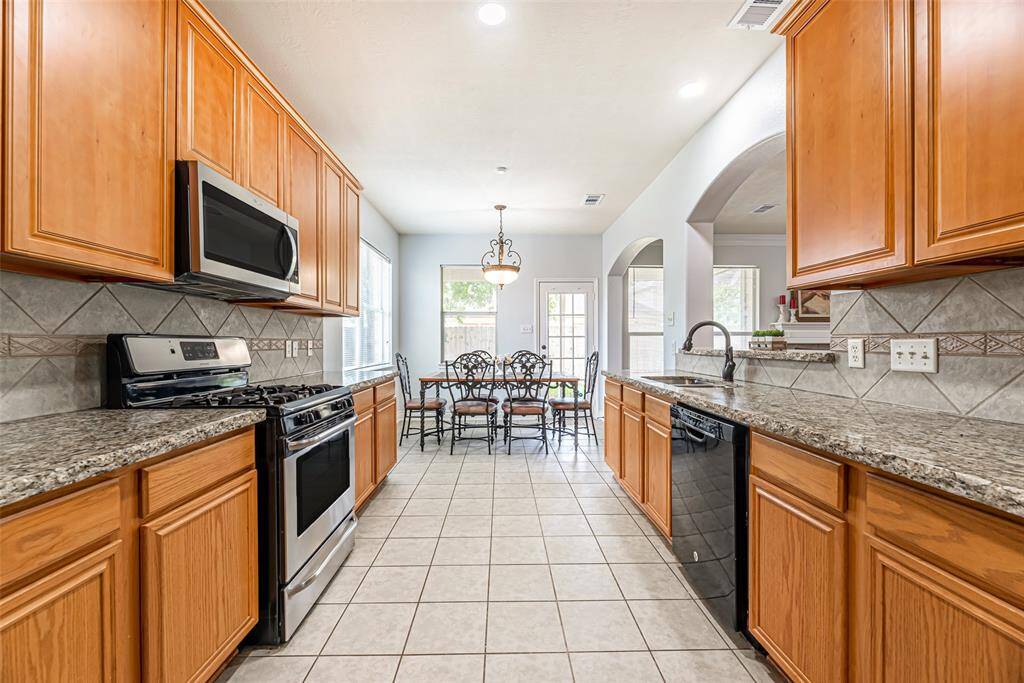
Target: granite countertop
{"x": 981, "y": 460}
{"x": 42, "y": 454}
{"x": 799, "y": 355}
{"x": 356, "y": 380}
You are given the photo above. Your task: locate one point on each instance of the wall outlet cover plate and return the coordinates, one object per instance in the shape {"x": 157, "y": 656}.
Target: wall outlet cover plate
{"x": 855, "y": 353}
{"x": 914, "y": 355}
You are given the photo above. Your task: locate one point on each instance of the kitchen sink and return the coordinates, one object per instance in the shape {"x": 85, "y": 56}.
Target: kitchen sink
{"x": 682, "y": 380}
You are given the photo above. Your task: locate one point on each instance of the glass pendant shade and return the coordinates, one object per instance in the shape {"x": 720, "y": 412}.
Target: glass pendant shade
{"x": 501, "y": 264}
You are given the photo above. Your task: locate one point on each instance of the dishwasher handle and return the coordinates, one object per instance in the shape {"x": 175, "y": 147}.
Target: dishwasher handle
{"x": 683, "y": 416}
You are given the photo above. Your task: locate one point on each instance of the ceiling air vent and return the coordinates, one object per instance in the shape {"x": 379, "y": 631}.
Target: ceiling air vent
{"x": 764, "y": 208}
{"x": 592, "y": 199}
{"x": 757, "y": 15}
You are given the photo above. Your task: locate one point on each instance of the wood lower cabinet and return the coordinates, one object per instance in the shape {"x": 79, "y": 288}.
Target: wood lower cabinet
{"x": 89, "y": 138}
{"x": 613, "y": 435}
{"x": 632, "y": 477}
{"x": 199, "y": 582}
{"x": 365, "y": 439}
{"x": 62, "y": 626}
{"x": 797, "y": 583}
{"x": 657, "y": 499}
{"x": 386, "y": 455}
{"x": 969, "y": 76}
{"x": 150, "y": 574}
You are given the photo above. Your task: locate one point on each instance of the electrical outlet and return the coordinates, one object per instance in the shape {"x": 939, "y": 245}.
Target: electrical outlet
{"x": 855, "y": 353}
{"x": 914, "y": 355}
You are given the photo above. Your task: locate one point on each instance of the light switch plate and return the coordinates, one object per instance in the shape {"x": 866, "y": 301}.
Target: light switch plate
{"x": 287, "y": 348}
{"x": 914, "y": 355}
{"x": 309, "y": 347}
{"x": 855, "y": 353}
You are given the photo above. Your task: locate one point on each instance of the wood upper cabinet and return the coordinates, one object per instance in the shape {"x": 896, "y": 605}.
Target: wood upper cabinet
{"x": 969, "y": 128}
{"x": 263, "y": 127}
{"x": 798, "y": 587}
{"x": 848, "y": 140}
{"x": 386, "y": 450}
{"x": 613, "y": 435}
{"x": 334, "y": 237}
{"x": 351, "y": 262}
{"x": 632, "y": 439}
{"x": 199, "y": 582}
{"x": 658, "y": 475}
{"x": 89, "y": 137}
{"x": 302, "y": 171}
{"x": 210, "y": 88}
{"x": 62, "y": 626}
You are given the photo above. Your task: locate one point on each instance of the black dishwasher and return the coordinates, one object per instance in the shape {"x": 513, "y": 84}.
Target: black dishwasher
{"x": 710, "y": 459}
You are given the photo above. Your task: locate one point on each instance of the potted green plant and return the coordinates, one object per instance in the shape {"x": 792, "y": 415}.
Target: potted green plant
{"x": 767, "y": 340}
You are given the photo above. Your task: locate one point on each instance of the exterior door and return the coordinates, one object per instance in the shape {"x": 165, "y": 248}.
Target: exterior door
{"x": 567, "y": 322}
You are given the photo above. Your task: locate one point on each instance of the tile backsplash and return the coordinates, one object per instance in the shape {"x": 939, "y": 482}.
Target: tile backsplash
{"x": 53, "y": 336}
{"x": 977, "y": 319}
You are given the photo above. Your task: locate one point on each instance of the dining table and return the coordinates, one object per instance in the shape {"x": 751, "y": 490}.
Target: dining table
{"x": 439, "y": 379}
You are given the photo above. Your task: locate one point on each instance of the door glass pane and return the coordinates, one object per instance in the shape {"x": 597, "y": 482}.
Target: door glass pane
{"x": 554, "y": 325}
{"x": 553, "y": 304}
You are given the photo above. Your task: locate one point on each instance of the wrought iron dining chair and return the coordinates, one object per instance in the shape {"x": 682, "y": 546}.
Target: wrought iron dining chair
{"x": 470, "y": 379}
{"x": 579, "y": 403}
{"x": 527, "y": 381}
{"x": 486, "y": 355}
{"x": 413, "y": 404}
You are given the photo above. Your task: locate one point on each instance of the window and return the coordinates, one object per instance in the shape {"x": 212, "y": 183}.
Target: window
{"x": 469, "y": 311}
{"x": 644, "y": 317}
{"x": 735, "y": 302}
{"x": 367, "y": 339}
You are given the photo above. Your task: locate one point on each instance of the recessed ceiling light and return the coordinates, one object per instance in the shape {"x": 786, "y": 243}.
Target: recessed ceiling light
{"x": 491, "y": 14}
{"x": 501, "y": 170}
{"x": 692, "y": 89}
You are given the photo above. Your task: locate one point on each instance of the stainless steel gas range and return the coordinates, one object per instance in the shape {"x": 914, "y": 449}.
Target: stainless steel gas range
{"x": 304, "y": 458}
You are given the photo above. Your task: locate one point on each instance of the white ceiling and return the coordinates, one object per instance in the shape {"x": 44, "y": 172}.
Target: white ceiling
{"x": 422, "y": 101}
{"x": 766, "y": 185}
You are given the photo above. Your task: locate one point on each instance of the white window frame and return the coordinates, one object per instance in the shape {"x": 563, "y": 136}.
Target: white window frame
{"x": 445, "y": 314}
{"x": 387, "y": 317}
{"x": 756, "y": 317}
{"x": 625, "y": 314}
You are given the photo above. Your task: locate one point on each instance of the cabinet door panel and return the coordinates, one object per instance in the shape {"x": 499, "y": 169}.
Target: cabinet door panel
{"x": 199, "y": 582}
{"x": 847, "y": 141}
{"x": 334, "y": 236}
{"x": 365, "y": 438}
{"x": 968, "y": 82}
{"x": 658, "y": 475}
{"x": 613, "y": 436}
{"x": 62, "y": 627}
{"x": 264, "y": 142}
{"x": 351, "y": 249}
{"x": 797, "y": 567}
{"x": 387, "y": 434}
{"x": 209, "y": 86}
{"x": 89, "y": 135}
{"x": 302, "y": 170}
{"x": 928, "y": 625}
{"x": 632, "y": 479}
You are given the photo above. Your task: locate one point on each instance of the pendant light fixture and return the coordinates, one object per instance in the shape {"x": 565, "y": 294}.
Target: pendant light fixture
{"x": 501, "y": 263}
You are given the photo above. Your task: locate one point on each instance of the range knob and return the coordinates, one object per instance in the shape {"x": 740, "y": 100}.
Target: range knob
{"x": 304, "y": 419}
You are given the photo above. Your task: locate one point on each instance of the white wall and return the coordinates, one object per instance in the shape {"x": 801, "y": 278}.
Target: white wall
{"x": 557, "y": 256}
{"x": 769, "y": 255}
{"x": 756, "y": 112}
{"x": 379, "y": 233}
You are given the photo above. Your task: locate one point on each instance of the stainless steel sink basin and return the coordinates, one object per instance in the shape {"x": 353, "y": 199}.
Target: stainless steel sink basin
{"x": 682, "y": 380}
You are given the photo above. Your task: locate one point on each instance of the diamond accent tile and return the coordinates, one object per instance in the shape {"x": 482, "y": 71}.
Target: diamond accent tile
{"x": 14, "y": 320}
{"x": 970, "y": 308}
{"x": 102, "y": 314}
{"x": 1011, "y": 343}
{"x": 48, "y": 302}
{"x": 182, "y": 320}
{"x": 146, "y": 305}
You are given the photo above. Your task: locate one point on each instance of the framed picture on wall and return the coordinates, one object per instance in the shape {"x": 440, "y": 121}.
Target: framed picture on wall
{"x": 813, "y": 305}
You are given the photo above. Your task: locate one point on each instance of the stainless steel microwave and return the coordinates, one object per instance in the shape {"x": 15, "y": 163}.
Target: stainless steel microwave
{"x": 229, "y": 243}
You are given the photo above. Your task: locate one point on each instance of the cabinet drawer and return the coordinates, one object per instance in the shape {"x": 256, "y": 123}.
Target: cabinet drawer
{"x": 363, "y": 401}
{"x": 657, "y": 410}
{"x": 613, "y": 390}
{"x": 818, "y": 478}
{"x": 984, "y": 546}
{"x": 383, "y": 392}
{"x": 177, "y": 479}
{"x": 36, "y": 537}
{"x": 633, "y": 398}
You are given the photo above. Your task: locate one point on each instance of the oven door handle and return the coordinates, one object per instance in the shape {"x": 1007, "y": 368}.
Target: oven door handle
{"x": 308, "y": 581}
{"x": 322, "y": 436}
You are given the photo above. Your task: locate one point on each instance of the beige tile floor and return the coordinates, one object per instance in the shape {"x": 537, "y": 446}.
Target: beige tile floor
{"x": 521, "y": 567}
